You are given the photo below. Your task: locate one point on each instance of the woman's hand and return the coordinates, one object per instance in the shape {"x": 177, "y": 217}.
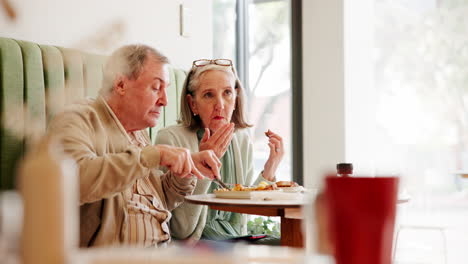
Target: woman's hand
{"x": 275, "y": 143}
{"x": 219, "y": 141}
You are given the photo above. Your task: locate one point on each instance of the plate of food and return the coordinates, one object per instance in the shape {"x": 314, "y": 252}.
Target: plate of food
{"x": 244, "y": 192}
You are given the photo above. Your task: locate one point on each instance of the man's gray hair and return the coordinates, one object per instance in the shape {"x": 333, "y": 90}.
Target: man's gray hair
{"x": 128, "y": 61}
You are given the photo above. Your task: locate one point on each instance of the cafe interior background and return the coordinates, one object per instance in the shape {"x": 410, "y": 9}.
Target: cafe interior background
{"x": 379, "y": 83}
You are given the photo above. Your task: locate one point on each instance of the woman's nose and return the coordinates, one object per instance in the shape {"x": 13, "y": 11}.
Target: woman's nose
{"x": 219, "y": 103}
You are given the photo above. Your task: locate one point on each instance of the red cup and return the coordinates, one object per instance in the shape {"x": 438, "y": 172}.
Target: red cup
{"x": 361, "y": 218}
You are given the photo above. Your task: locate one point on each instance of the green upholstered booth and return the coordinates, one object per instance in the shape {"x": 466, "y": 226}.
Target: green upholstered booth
{"x": 37, "y": 80}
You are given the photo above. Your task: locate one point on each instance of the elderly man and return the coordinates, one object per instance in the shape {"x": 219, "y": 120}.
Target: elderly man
{"x": 124, "y": 198}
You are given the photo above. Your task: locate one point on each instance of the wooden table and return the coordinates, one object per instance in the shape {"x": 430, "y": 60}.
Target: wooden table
{"x": 290, "y": 212}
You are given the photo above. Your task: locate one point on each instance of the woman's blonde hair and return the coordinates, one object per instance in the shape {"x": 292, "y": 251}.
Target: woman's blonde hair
{"x": 188, "y": 119}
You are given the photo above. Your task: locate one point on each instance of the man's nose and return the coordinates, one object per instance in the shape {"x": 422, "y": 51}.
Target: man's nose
{"x": 162, "y": 100}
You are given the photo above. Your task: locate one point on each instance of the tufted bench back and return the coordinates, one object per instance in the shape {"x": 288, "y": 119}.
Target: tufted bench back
{"x": 37, "y": 81}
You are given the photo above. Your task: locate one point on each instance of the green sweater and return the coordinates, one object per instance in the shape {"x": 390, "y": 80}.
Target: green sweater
{"x": 189, "y": 220}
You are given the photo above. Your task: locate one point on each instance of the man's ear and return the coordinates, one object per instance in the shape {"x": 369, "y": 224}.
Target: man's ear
{"x": 192, "y": 105}
{"x": 120, "y": 85}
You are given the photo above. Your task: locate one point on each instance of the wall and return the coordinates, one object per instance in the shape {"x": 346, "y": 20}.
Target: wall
{"x": 339, "y": 112}
{"x": 101, "y": 26}
{"x": 323, "y": 88}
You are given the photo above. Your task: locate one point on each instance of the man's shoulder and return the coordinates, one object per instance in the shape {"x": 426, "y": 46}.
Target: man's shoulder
{"x": 85, "y": 104}
{"x": 79, "y": 111}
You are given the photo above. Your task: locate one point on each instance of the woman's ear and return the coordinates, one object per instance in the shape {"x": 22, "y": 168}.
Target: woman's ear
{"x": 192, "y": 104}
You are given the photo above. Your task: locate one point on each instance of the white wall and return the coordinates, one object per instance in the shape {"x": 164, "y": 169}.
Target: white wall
{"x": 338, "y": 93}
{"x": 323, "y": 88}
{"x": 103, "y": 25}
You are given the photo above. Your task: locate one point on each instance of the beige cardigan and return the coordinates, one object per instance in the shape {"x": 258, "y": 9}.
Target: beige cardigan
{"x": 108, "y": 166}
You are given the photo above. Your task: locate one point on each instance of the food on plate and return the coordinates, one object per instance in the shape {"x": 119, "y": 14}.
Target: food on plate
{"x": 287, "y": 184}
{"x": 290, "y": 186}
{"x": 262, "y": 186}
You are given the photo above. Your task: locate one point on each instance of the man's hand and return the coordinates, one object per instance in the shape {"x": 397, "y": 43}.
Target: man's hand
{"x": 219, "y": 141}
{"x": 179, "y": 161}
{"x": 207, "y": 162}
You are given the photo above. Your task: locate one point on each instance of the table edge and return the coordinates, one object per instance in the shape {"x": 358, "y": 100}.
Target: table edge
{"x": 187, "y": 199}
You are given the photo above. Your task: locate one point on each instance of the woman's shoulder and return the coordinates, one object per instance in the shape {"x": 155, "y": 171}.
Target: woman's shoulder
{"x": 174, "y": 132}
{"x": 177, "y": 135}
{"x": 242, "y": 134}
{"x": 175, "y": 129}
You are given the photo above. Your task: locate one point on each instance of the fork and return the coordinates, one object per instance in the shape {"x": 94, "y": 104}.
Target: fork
{"x": 220, "y": 183}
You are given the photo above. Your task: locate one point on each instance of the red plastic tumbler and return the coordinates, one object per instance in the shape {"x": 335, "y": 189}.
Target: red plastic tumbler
{"x": 361, "y": 218}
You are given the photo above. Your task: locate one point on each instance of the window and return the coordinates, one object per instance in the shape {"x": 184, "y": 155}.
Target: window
{"x": 224, "y": 29}
{"x": 420, "y": 74}
{"x": 422, "y": 115}
{"x": 260, "y": 44}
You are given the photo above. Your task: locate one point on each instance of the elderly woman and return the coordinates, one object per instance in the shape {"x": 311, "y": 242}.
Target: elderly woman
{"x": 212, "y": 117}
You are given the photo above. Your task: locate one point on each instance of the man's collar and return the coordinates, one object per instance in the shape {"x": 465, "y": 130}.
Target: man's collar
{"x": 116, "y": 119}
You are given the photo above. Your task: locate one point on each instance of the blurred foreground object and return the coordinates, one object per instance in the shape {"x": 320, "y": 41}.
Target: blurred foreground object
{"x": 48, "y": 184}
{"x": 11, "y": 216}
{"x": 203, "y": 253}
{"x": 322, "y": 214}
{"x": 360, "y": 218}
{"x": 9, "y": 10}
{"x": 322, "y": 220}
